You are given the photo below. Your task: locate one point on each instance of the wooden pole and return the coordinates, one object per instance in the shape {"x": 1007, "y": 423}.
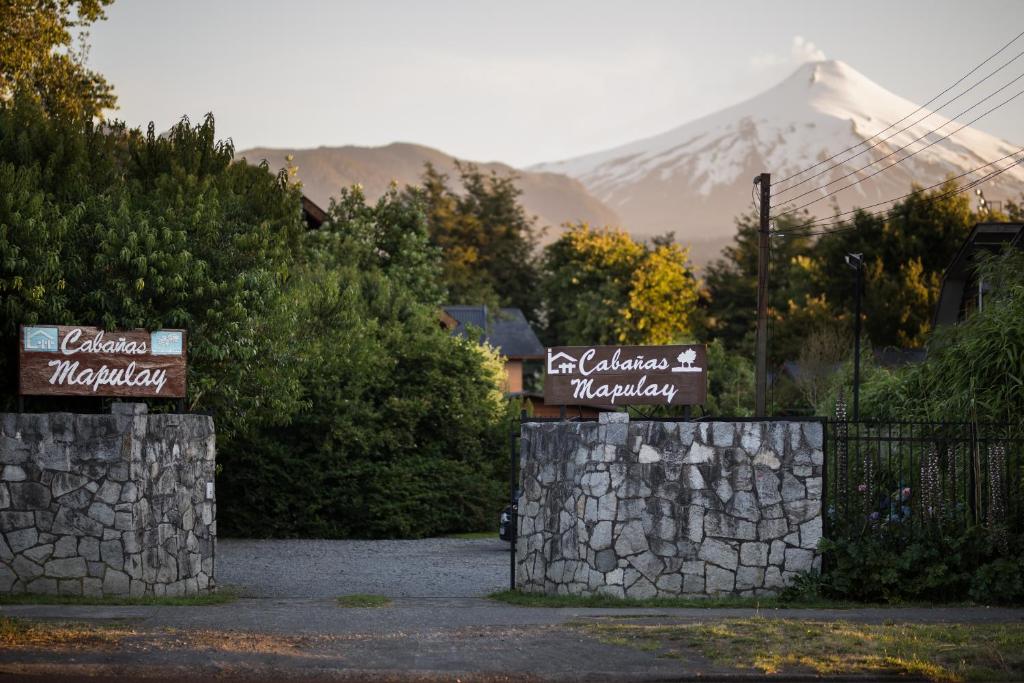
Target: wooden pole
{"x": 761, "y": 367}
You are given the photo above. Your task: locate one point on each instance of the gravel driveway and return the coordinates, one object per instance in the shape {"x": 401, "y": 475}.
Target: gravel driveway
{"x": 433, "y": 567}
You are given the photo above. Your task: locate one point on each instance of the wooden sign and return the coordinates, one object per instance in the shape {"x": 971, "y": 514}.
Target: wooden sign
{"x": 626, "y": 375}
{"x": 58, "y": 360}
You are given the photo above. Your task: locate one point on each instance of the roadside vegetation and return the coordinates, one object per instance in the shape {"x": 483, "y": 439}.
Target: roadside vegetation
{"x": 64, "y": 639}
{"x": 521, "y": 599}
{"x": 220, "y": 597}
{"x": 362, "y": 600}
{"x": 935, "y": 652}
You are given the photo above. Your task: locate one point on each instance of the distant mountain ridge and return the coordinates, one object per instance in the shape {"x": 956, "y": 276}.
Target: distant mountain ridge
{"x": 552, "y": 197}
{"x": 696, "y": 178}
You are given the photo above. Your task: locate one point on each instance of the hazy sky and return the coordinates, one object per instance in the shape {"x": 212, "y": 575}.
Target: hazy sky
{"x": 521, "y": 82}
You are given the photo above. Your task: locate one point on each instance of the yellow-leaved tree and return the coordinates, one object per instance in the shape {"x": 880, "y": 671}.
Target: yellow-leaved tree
{"x": 601, "y": 286}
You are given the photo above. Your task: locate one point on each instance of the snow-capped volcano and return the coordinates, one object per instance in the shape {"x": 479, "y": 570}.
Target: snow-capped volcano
{"x": 695, "y": 179}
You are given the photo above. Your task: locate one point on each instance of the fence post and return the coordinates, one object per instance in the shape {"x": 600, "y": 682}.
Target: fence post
{"x": 513, "y": 502}
{"x": 973, "y": 501}
{"x": 826, "y": 527}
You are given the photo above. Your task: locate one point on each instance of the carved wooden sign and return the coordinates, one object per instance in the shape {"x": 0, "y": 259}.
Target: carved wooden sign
{"x": 626, "y": 375}
{"x": 59, "y": 360}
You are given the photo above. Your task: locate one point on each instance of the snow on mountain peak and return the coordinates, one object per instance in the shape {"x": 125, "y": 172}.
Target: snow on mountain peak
{"x": 695, "y": 178}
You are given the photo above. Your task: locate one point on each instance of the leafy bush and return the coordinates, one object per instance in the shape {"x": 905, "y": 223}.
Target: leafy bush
{"x": 1001, "y": 580}
{"x": 974, "y": 370}
{"x": 899, "y": 564}
{"x": 403, "y": 432}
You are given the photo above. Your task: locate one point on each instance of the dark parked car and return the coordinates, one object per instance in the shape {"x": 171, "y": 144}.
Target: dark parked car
{"x": 506, "y": 528}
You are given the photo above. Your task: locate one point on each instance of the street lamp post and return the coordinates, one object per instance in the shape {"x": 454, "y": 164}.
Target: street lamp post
{"x": 856, "y": 261}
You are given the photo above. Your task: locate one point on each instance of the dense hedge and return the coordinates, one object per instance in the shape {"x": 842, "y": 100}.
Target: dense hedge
{"x": 342, "y": 408}
{"x": 923, "y": 564}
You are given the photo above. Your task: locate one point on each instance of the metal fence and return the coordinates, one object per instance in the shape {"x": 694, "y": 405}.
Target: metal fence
{"x": 880, "y": 474}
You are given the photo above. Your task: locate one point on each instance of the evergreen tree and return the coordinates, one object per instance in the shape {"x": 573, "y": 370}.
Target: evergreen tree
{"x": 905, "y": 254}
{"x": 486, "y": 237}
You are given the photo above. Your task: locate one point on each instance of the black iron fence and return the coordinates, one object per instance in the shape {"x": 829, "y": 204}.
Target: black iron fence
{"x": 880, "y": 474}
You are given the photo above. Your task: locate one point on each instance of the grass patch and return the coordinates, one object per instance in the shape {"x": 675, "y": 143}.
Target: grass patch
{"x": 71, "y": 637}
{"x": 937, "y": 652}
{"x": 605, "y": 601}
{"x": 363, "y": 600}
{"x": 219, "y": 597}
{"x": 476, "y": 535}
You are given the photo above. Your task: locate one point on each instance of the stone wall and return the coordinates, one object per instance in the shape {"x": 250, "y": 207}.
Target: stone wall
{"x": 642, "y": 509}
{"x": 107, "y": 504}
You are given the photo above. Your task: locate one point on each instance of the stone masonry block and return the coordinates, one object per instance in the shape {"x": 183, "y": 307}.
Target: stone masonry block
{"x": 75, "y": 488}
{"x": 660, "y": 508}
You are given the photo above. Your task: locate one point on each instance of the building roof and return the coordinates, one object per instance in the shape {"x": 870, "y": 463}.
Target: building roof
{"x": 508, "y": 330}
{"x": 312, "y": 214}
{"x": 959, "y": 276}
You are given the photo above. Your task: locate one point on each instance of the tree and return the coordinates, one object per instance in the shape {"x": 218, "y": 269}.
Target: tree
{"x": 602, "y": 287}
{"x": 38, "y": 57}
{"x": 486, "y": 237}
{"x": 811, "y": 288}
{"x": 730, "y": 382}
{"x": 403, "y": 429}
{"x": 906, "y": 253}
{"x": 732, "y": 285}
{"x": 112, "y": 227}
{"x": 391, "y": 236}
{"x": 823, "y": 352}
{"x": 342, "y": 408}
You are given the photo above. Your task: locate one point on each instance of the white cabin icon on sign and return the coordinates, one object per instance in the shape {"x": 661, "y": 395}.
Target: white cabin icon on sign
{"x": 566, "y": 367}
{"x": 40, "y": 339}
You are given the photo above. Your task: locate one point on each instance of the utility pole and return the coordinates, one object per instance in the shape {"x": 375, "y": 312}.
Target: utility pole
{"x": 761, "y": 367}
{"x": 856, "y": 261}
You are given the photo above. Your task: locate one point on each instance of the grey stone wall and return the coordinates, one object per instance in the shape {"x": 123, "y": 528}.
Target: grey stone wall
{"x": 643, "y": 509}
{"x": 107, "y": 504}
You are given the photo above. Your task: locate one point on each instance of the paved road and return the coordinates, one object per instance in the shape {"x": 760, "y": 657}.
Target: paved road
{"x": 415, "y": 639}
{"x": 437, "y": 628}
{"x": 433, "y": 567}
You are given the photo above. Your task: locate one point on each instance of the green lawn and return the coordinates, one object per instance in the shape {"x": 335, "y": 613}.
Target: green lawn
{"x": 937, "y": 652}
{"x": 363, "y": 600}
{"x": 220, "y": 597}
{"x": 538, "y": 600}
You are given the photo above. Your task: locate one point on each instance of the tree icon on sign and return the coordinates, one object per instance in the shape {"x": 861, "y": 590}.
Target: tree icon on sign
{"x": 686, "y": 360}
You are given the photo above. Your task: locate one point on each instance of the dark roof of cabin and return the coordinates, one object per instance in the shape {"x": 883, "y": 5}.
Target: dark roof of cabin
{"x": 508, "y": 330}
{"x": 312, "y": 214}
{"x": 958, "y": 276}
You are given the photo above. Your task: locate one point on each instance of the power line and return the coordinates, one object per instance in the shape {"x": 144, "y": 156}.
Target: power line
{"x": 907, "y": 127}
{"x": 900, "y": 161}
{"x": 923, "y": 189}
{"x": 847, "y": 228}
{"x": 923, "y": 106}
